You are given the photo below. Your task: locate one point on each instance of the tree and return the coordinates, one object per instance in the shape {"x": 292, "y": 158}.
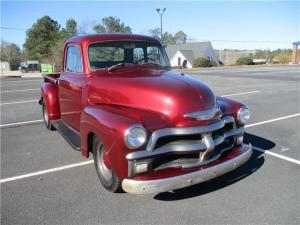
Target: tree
{"x": 180, "y": 37}
{"x": 112, "y": 25}
{"x": 40, "y": 38}
{"x": 71, "y": 27}
{"x": 167, "y": 38}
{"x": 155, "y": 33}
{"x": 11, "y": 53}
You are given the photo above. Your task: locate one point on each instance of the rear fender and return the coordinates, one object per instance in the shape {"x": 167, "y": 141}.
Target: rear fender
{"x": 49, "y": 95}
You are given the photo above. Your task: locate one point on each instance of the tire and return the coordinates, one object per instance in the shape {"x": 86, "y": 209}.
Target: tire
{"x": 47, "y": 122}
{"x": 107, "y": 177}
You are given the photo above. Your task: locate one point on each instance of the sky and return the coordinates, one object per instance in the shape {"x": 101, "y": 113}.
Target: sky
{"x": 231, "y": 25}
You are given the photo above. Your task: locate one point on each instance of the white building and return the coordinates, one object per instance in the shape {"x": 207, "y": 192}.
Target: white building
{"x": 4, "y": 67}
{"x": 178, "y": 53}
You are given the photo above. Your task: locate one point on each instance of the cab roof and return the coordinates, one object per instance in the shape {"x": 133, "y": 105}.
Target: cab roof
{"x": 89, "y": 38}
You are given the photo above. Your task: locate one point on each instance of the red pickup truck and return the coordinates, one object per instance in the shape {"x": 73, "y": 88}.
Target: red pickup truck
{"x": 149, "y": 129}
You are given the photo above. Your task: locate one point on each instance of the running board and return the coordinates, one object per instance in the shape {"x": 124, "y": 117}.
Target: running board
{"x": 68, "y": 133}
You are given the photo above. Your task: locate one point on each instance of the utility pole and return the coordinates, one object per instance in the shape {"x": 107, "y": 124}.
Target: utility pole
{"x": 161, "y": 13}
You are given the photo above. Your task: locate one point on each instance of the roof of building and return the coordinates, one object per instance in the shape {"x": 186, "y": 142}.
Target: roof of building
{"x": 198, "y": 48}
{"x": 188, "y": 54}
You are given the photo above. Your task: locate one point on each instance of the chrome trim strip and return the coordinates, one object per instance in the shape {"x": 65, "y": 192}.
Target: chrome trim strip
{"x": 177, "y": 182}
{"x": 183, "y": 147}
{"x": 186, "y": 131}
{"x": 204, "y": 115}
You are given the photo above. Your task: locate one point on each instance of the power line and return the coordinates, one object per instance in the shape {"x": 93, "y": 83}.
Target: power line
{"x": 189, "y": 39}
{"x": 12, "y": 28}
{"x": 243, "y": 41}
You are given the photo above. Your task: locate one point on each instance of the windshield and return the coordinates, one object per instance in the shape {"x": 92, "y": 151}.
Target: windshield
{"x": 106, "y": 54}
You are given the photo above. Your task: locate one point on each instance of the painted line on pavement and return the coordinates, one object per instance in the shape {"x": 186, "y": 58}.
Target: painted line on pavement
{"x": 23, "y": 83}
{"x": 277, "y": 155}
{"x": 241, "y": 93}
{"x": 91, "y": 161}
{"x": 20, "y": 123}
{"x": 34, "y": 89}
{"x": 273, "y": 120}
{"x": 23, "y": 80}
{"x": 21, "y": 102}
{"x": 46, "y": 171}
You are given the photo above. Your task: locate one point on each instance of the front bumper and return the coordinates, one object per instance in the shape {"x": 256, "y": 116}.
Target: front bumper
{"x": 185, "y": 180}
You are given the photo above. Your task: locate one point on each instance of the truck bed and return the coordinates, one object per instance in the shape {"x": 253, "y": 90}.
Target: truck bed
{"x": 51, "y": 78}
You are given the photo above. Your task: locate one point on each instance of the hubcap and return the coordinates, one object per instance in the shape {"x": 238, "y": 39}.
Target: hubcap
{"x": 103, "y": 169}
{"x": 45, "y": 115}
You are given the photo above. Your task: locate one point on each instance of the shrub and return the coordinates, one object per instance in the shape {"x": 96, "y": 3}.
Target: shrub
{"x": 244, "y": 61}
{"x": 282, "y": 58}
{"x": 202, "y": 62}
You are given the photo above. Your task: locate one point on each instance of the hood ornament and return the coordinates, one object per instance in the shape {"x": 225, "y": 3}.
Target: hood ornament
{"x": 205, "y": 115}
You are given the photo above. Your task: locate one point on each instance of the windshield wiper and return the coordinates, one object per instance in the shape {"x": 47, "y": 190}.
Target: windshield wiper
{"x": 116, "y": 66}
{"x": 151, "y": 63}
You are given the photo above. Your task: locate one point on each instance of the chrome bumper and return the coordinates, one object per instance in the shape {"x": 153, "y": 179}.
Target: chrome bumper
{"x": 173, "y": 183}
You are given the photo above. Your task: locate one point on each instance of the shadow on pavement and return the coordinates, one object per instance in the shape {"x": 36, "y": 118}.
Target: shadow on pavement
{"x": 252, "y": 165}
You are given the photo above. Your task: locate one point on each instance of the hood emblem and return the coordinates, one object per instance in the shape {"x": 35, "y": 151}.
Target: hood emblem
{"x": 204, "y": 115}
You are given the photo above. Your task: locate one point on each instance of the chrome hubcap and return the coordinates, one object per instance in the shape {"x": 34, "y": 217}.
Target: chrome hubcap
{"x": 45, "y": 115}
{"x": 107, "y": 173}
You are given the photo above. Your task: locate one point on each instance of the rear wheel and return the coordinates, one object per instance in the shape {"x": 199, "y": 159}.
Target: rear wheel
{"x": 47, "y": 122}
{"x": 106, "y": 175}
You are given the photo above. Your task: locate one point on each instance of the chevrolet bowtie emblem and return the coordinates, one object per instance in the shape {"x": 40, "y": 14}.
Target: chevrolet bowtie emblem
{"x": 204, "y": 115}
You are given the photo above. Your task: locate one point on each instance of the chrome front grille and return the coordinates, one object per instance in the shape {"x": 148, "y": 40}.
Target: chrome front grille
{"x": 188, "y": 147}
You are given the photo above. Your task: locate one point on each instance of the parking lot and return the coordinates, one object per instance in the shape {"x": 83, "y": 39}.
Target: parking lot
{"x": 43, "y": 181}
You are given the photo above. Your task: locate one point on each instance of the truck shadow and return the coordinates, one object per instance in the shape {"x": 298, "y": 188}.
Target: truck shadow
{"x": 252, "y": 165}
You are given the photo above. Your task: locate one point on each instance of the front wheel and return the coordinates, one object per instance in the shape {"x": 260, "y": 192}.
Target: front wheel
{"x": 47, "y": 122}
{"x": 106, "y": 175}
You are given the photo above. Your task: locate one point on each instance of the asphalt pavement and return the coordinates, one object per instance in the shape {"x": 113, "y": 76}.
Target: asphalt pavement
{"x": 44, "y": 181}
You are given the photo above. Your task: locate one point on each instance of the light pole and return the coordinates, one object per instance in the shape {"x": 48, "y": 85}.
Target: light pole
{"x": 161, "y": 13}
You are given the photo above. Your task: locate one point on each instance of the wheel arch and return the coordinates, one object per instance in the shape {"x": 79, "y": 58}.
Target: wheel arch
{"x": 49, "y": 96}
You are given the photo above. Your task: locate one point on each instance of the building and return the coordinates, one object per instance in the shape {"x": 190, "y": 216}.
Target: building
{"x": 180, "y": 54}
{"x": 4, "y": 67}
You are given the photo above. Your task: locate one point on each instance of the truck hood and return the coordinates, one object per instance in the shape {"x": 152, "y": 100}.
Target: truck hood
{"x": 167, "y": 93}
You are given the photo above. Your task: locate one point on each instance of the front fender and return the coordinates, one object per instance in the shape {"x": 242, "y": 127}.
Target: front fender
{"x": 109, "y": 127}
{"x": 49, "y": 95}
{"x": 229, "y": 107}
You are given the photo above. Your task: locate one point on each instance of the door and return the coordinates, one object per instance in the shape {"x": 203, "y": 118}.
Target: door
{"x": 179, "y": 61}
{"x": 70, "y": 87}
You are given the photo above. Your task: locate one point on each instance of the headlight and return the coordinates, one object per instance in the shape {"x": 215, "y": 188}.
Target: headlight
{"x": 243, "y": 115}
{"x": 135, "y": 136}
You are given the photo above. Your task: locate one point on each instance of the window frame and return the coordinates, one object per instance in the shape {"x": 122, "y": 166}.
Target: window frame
{"x": 66, "y": 55}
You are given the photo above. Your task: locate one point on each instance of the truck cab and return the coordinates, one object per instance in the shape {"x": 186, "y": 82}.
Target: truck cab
{"x": 148, "y": 128}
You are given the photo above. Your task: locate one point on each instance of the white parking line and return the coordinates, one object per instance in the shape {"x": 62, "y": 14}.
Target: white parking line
{"x": 277, "y": 155}
{"x": 90, "y": 161}
{"x": 46, "y": 171}
{"x": 272, "y": 120}
{"x": 241, "y": 93}
{"x": 20, "y": 123}
{"x": 23, "y": 83}
{"x": 34, "y": 89}
{"x": 21, "y": 102}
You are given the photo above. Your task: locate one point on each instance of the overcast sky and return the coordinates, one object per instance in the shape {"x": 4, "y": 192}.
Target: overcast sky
{"x": 233, "y": 25}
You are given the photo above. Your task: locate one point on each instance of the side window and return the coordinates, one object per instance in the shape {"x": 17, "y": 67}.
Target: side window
{"x": 73, "y": 60}
{"x": 138, "y": 55}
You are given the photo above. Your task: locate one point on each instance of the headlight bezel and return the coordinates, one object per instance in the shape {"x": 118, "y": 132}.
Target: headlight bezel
{"x": 129, "y": 144}
{"x": 241, "y": 117}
